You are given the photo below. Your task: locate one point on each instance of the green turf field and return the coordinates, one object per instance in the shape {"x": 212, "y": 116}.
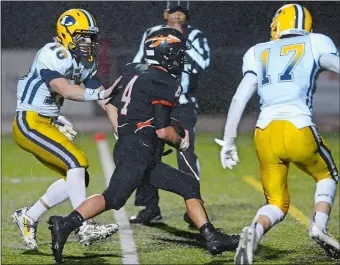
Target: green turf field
{"x": 231, "y": 204}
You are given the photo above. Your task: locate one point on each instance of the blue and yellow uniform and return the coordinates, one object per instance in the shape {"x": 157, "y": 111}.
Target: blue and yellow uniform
{"x": 286, "y": 70}
{"x": 37, "y": 106}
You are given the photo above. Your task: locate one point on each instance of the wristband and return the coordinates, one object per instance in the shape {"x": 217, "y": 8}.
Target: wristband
{"x": 93, "y": 94}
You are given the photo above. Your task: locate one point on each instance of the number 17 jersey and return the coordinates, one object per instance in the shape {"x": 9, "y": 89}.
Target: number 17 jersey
{"x": 286, "y": 71}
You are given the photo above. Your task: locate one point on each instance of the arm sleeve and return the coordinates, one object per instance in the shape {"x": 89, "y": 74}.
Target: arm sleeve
{"x": 165, "y": 94}
{"x": 244, "y": 92}
{"x": 161, "y": 116}
{"x": 54, "y": 63}
{"x": 249, "y": 62}
{"x": 163, "y": 100}
{"x": 199, "y": 51}
{"x": 330, "y": 62}
{"x": 140, "y": 54}
{"x": 321, "y": 44}
{"x": 93, "y": 82}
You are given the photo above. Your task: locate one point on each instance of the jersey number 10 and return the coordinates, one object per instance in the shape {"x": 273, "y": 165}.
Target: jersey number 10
{"x": 287, "y": 75}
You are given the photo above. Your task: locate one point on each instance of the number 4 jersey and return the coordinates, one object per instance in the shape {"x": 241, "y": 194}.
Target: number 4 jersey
{"x": 142, "y": 87}
{"x": 286, "y": 71}
{"x": 52, "y": 61}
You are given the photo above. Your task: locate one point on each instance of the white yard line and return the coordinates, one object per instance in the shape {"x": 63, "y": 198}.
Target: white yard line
{"x": 127, "y": 244}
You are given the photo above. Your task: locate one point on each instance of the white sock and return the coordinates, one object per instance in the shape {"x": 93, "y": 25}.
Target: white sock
{"x": 36, "y": 211}
{"x": 259, "y": 231}
{"x": 55, "y": 194}
{"x": 321, "y": 219}
{"x": 76, "y": 186}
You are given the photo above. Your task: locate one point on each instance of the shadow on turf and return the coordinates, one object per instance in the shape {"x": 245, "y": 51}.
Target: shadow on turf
{"x": 88, "y": 258}
{"x": 263, "y": 253}
{"x": 178, "y": 232}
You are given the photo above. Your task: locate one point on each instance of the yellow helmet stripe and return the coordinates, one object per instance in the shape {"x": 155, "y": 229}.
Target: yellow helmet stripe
{"x": 89, "y": 18}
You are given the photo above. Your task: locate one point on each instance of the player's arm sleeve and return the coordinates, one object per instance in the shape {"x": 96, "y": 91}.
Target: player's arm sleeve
{"x": 199, "y": 51}
{"x": 244, "y": 92}
{"x": 54, "y": 64}
{"x": 325, "y": 53}
{"x": 249, "y": 62}
{"x": 93, "y": 82}
{"x": 163, "y": 100}
{"x": 140, "y": 54}
{"x": 330, "y": 62}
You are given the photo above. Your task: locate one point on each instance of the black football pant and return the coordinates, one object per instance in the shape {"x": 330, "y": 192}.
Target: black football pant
{"x": 137, "y": 160}
{"x": 146, "y": 194}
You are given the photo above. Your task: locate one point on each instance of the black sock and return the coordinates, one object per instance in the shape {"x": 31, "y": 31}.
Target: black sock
{"x": 74, "y": 220}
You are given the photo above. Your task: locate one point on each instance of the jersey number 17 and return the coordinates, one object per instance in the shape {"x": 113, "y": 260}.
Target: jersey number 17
{"x": 287, "y": 75}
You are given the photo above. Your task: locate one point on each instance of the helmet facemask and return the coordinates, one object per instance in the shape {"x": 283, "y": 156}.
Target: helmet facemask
{"x": 84, "y": 45}
{"x": 173, "y": 59}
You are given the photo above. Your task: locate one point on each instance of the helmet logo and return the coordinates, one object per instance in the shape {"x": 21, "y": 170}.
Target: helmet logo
{"x": 159, "y": 39}
{"x": 67, "y": 21}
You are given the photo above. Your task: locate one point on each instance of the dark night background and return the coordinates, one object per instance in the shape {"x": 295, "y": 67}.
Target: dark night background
{"x": 230, "y": 27}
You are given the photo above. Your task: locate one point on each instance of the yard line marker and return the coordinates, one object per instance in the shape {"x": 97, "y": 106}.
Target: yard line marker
{"x": 293, "y": 211}
{"x": 127, "y": 244}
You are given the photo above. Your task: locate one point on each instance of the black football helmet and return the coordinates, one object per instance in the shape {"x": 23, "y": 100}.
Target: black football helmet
{"x": 166, "y": 47}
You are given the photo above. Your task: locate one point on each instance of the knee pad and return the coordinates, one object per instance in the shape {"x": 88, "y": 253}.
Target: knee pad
{"x": 325, "y": 191}
{"x": 87, "y": 178}
{"x": 274, "y": 213}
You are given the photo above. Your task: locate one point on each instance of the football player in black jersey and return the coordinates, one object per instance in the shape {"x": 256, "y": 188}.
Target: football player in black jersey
{"x": 148, "y": 93}
{"x": 177, "y": 15}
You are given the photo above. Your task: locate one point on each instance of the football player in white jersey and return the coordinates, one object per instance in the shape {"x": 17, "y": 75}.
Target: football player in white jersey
{"x": 57, "y": 72}
{"x": 283, "y": 72}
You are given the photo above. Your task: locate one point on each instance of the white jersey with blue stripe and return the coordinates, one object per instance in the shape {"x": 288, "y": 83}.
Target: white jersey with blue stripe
{"x": 286, "y": 71}
{"x": 51, "y": 61}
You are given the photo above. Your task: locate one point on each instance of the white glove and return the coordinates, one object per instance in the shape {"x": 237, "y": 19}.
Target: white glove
{"x": 65, "y": 127}
{"x": 184, "y": 145}
{"x": 183, "y": 99}
{"x": 229, "y": 157}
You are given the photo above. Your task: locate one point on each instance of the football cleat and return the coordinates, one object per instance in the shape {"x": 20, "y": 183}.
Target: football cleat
{"x": 247, "y": 246}
{"x": 92, "y": 231}
{"x": 218, "y": 242}
{"x": 59, "y": 232}
{"x": 27, "y": 226}
{"x": 146, "y": 216}
{"x": 326, "y": 241}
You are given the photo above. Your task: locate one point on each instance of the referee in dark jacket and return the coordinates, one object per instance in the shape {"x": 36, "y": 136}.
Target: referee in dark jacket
{"x": 177, "y": 16}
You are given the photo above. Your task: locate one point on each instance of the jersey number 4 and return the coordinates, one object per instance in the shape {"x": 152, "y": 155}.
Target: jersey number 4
{"x": 287, "y": 75}
{"x": 126, "y": 98}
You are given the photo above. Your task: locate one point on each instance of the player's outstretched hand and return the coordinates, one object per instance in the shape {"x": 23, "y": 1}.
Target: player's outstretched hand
{"x": 229, "y": 156}
{"x": 110, "y": 91}
{"x": 66, "y": 127}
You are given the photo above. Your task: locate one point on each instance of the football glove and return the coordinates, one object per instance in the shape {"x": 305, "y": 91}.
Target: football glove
{"x": 65, "y": 127}
{"x": 229, "y": 156}
{"x": 183, "y": 99}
